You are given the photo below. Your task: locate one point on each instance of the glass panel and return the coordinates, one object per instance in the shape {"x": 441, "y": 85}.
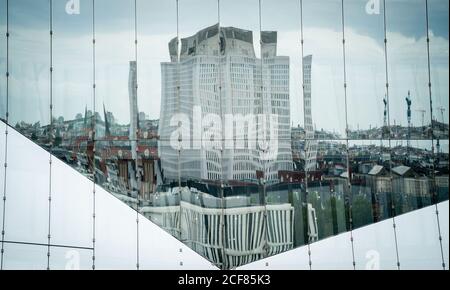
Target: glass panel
{"x": 115, "y": 56}
{"x": 418, "y": 240}
{"x": 443, "y": 219}
{"x": 156, "y": 26}
{"x": 116, "y": 170}
{"x": 71, "y": 212}
{"x": 2, "y": 168}
{"x": 201, "y": 218}
{"x": 70, "y": 259}
{"x": 328, "y": 196}
{"x": 412, "y": 178}
{"x": 27, "y": 191}
{"x": 3, "y": 48}
{"x": 375, "y": 247}
{"x": 366, "y": 72}
{"x": 323, "y": 40}
{"x": 284, "y": 19}
{"x": 24, "y": 257}
{"x": 168, "y": 98}
{"x": 292, "y": 260}
{"x": 371, "y": 181}
{"x": 286, "y": 205}
{"x": 247, "y": 230}
{"x": 199, "y": 79}
{"x": 333, "y": 253}
{"x": 442, "y": 170}
{"x": 72, "y": 120}
{"x": 438, "y": 17}
{"x": 439, "y": 44}
{"x": 156, "y": 22}
{"x": 409, "y": 101}
{"x": 116, "y": 233}
{"x": 184, "y": 85}
{"x": 72, "y": 83}
{"x": 159, "y": 250}
{"x": 29, "y": 59}
{"x": 325, "y": 162}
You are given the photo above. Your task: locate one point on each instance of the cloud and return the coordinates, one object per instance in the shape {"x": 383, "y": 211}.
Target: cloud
{"x": 408, "y": 70}
{"x": 365, "y": 72}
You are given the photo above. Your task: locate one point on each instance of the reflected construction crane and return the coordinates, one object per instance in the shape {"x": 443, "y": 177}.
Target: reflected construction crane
{"x": 385, "y": 110}
{"x": 409, "y": 104}
{"x": 385, "y": 130}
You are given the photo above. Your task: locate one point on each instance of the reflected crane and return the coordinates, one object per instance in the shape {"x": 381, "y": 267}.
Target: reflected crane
{"x": 408, "y": 104}
{"x": 385, "y": 110}
{"x": 385, "y": 130}
{"x": 442, "y": 110}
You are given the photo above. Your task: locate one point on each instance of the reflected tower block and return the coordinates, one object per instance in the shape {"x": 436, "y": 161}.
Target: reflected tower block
{"x": 134, "y": 124}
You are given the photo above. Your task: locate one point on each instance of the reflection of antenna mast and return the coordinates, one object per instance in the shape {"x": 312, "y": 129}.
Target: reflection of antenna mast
{"x": 409, "y": 103}
{"x": 385, "y": 131}
{"x": 442, "y": 110}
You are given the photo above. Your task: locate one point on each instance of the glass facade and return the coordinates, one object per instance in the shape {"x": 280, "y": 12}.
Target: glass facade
{"x": 247, "y": 130}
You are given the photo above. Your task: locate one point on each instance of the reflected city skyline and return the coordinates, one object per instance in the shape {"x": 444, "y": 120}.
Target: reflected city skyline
{"x": 385, "y": 181}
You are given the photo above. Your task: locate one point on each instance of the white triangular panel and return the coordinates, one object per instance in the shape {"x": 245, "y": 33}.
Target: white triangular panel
{"x": 72, "y": 206}
{"x": 332, "y": 253}
{"x": 27, "y": 190}
{"x": 292, "y": 260}
{"x": 116, "y": 230}
{"x": 443, "y": 221}
{"x": 154, "y": 240}
{"x": 122, "y": 243}
{"x": 374, "y": 246}
{"x": 418, "y": 240}
{"x": 116, "y": 242}
{"x": 2, "y": 167}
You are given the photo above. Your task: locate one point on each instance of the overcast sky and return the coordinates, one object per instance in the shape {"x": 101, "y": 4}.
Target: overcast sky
{"x": 156, "y": 25}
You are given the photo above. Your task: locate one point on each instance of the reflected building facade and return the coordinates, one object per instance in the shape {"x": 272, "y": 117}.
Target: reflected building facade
{"x": 224, "y": 80}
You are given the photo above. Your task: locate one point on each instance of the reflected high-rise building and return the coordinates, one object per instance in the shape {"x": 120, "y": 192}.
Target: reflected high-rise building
{"x": 225, "y": 79}
{"x": 134, "y": 122}
{"x": 310, "y": 143}
{"x": 134, "y": 113}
